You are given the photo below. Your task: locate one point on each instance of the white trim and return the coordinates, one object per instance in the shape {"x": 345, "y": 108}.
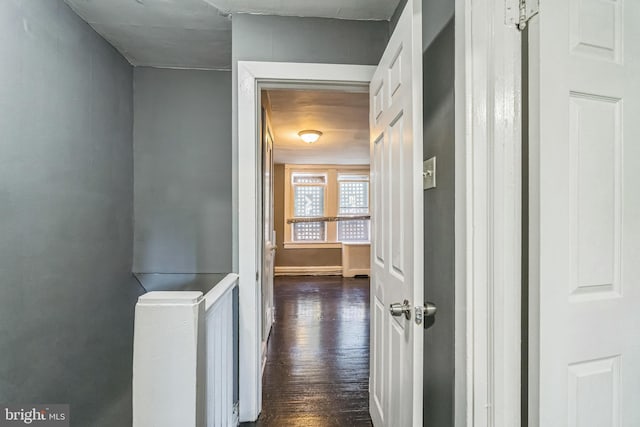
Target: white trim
{"x": 463, "y": 390}
{"x": 222, "y": 287}
{"x": 492, "y": 131}
{"x": 312, "y": 245}
{"x": 250, "y": 74}
{"x": 318, "y": 270}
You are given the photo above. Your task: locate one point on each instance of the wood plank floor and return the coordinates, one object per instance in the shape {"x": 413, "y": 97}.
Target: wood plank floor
{"x": 318, "y": 354}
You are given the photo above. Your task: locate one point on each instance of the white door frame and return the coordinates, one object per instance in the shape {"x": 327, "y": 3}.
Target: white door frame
{"x": 250, "y": 75}
{"x": 488, "y": 211}
{"x": 488, "y": 186}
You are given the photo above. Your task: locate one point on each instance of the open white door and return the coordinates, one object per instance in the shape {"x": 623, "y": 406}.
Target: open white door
{"x": 585, "y": 216}
{"x": 395, "y": 384}
{"x": 268, "y": 232}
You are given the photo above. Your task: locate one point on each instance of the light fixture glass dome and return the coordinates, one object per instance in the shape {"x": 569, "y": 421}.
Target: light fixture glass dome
{"x": 309, "y": 136}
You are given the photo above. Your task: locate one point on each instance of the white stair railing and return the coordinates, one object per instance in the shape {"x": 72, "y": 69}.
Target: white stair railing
{"x": 220, "y": 364}
{"x": 183, "y": 359}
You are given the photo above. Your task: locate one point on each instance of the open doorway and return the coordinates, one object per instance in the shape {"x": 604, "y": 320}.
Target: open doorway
{"x": 396, "y": 128}
{"x": 321, "y": 189}
{"x": 316, "y": 254}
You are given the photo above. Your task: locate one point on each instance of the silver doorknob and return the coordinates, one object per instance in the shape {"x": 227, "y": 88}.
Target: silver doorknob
{"x": 398, "y": 309}
{"x": 429, "y": 309}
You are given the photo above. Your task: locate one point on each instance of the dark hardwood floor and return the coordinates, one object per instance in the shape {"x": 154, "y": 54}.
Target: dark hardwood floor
{"x": 317, "y": 366}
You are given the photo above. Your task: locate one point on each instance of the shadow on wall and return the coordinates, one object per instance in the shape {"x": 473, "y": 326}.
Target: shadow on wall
{"x": 439, "y": 226}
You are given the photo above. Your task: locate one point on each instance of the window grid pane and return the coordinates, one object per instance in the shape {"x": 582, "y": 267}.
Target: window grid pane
{"x": 308, "y": 201}
{"x": 354, "y": 198}
{"x": 353, "y": 230}
{"x": 309, "y": 232}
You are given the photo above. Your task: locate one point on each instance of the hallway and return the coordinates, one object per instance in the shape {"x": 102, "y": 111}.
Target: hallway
{"x": 317, "y": 367}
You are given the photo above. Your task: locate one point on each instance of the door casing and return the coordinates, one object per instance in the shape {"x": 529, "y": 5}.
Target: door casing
{"x": 252, "y": 78}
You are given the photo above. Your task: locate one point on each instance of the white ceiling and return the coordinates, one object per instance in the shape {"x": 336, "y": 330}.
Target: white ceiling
{"x": 162, "y": 33}
{"x": 341, "y": 9}
{"x": 342, "y": 117}
{"x": 197, "y": 33}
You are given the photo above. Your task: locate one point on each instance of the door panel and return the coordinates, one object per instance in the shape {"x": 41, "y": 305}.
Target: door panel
{"x": 269, "y": 244}
{"x": 396, "y": 264}
{"x": 585, "y": 90}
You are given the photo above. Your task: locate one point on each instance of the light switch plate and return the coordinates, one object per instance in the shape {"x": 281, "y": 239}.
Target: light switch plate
{"x": 429, "y": 173}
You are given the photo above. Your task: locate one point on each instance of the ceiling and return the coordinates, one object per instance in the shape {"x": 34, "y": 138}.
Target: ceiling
{"x": 342, "y": 117}
{"x": 341, "y": 9}
{"x": 197, "y": 33}
{"x": 162, "y": 33}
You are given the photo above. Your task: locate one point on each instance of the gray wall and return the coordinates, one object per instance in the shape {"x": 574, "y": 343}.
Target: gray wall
{"x": 182, "y": 152}
{"x": 321, "y": 40}
{"x": 436, "y": 15}
{"x": 294, "y": 39}
{"x": 439, "y": 213}
{"x": 66, "y": 193}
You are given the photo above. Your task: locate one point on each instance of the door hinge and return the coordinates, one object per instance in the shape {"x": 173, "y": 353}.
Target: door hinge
{"x": 519, "y": 12}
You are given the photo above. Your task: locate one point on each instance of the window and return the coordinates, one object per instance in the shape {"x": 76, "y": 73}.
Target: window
{"x": 353, "y": 196}
{"x": 328, "y": 193}
{"x": 309, "y": 192}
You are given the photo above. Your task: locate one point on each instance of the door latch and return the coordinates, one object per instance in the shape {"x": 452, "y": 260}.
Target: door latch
{"x": 429, "y": 309}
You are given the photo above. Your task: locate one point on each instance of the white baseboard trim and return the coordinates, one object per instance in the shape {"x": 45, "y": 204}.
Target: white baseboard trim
{"x": 325, "y": 270}
{"x": 353, "y": 272}
{"x": 264, "y": 357}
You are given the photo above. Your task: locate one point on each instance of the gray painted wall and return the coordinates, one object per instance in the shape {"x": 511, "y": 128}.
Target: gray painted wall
{"x": 294, "y": 39}
{"x": 439, "y": 226}
{"x": 66, "y": 204}
{"x": 320, "y": 40}
{"x": 182, "y": 152}
{"x": 435, "y": 15}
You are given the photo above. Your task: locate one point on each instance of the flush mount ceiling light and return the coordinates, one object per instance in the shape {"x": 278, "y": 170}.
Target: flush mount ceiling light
{"x": 309, "y": 136}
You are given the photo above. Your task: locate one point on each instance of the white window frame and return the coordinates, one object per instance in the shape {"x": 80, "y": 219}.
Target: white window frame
{"x": 338, "y": 198}
{"x": 330, "y": 201}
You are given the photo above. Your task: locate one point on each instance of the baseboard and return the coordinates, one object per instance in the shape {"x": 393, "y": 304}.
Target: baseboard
{"x": 325, "y": 270}
{"x": 263, "y": 355}
{"x": 357, "y": 272}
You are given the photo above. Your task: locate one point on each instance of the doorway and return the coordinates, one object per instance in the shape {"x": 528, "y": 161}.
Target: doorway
{"x": 316, "y": 239}
{"x": 396, "y": 129}
{"x": 267, "y": 76}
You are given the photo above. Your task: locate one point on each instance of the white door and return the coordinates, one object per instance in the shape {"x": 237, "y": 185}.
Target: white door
{"x": 395, "y": 384}
{"x": 585, "y": 216}
{"x": 268, "y": 239}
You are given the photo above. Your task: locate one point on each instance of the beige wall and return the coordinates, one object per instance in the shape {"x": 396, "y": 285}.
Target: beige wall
{"x": 296, "y": 257}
